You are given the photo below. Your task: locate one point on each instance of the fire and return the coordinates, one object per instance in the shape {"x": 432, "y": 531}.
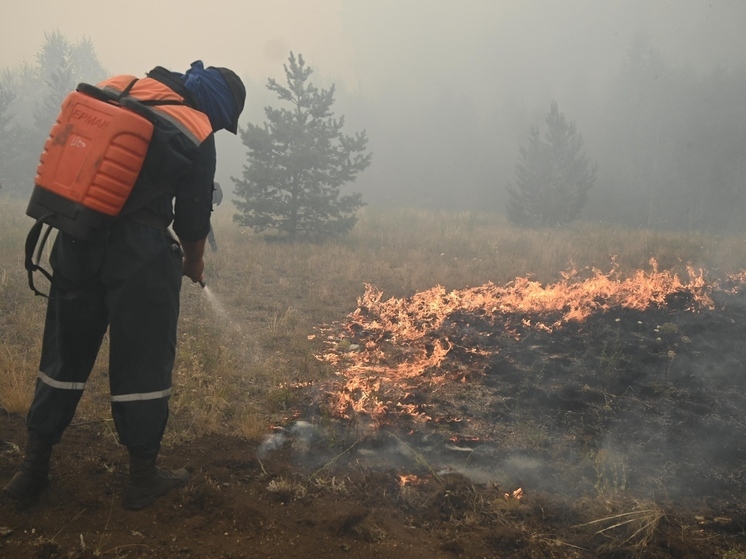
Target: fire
{"x": 516, "y": 495}
{"x": 388, "y": 349}
{"x": 569, "y": 299}
{"x": 408, "y": 479}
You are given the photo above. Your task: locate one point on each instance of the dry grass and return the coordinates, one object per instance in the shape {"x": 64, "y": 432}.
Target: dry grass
{"x": 286, "y": 490}
{"x": 244, "y": 343}
{"x": 631, "y": 529}
{"x": 17, "y": 391}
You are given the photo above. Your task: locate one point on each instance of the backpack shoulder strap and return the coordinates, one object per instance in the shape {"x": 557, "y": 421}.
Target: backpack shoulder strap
{"x": 31, "y": 261}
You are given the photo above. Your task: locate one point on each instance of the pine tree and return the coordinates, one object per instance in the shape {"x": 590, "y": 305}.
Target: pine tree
{"x": 297, "y": 162}
{"x": 553, "y": 176}
{"x": 61, "y": 65}
{"x": 37, "y": 93}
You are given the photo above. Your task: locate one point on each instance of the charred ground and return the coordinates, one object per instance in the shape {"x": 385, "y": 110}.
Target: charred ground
{"x": 617, "y": 436}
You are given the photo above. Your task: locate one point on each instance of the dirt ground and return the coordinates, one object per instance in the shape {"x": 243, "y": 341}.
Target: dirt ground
{"x": 621, "y": 436}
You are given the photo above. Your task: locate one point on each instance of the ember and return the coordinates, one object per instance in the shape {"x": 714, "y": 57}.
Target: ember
{"x": 516, "y": 495}
{"x": 408, "y": 479}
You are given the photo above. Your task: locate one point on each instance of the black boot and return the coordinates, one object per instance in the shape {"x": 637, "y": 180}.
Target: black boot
{"x": 33, "y": 476}
{"x": 147, "y": 482}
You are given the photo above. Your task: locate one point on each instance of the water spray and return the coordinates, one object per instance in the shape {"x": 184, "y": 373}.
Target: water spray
{"x": 217, "y": 307}
{"x": 207, "y": 291}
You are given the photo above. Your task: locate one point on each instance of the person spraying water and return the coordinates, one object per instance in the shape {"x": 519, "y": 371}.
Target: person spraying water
{"x": 126, "y": 275}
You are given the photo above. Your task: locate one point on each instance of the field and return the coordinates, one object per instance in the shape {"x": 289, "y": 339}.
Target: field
{"x": 432, "y": 385}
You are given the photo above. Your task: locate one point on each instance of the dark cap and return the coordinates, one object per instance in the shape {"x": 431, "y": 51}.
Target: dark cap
{"x": 237, "y": 90}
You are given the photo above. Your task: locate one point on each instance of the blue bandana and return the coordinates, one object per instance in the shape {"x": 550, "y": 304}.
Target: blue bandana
{"x": 212, "y": 95}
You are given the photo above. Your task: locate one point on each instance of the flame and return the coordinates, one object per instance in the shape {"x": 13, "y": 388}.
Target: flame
{"x": 408, "y": 479}
{"x": 571, "y": 300}
{"x": 414, "y": 330}
{"x": 516, "y": 495}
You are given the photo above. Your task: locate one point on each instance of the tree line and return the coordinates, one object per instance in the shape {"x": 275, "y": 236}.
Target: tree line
{"x": 661, "y": 147}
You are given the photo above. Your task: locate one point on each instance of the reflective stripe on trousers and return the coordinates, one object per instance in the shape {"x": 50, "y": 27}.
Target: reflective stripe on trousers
{"x": 144, "y": 396}
{"x": 120, "y": 398}
{"x": 61, "y": 385}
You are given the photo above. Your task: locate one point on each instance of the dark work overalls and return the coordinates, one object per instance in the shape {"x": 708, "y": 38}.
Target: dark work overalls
{"x": 128, "y": 281}
{"x": 127, "y": 278}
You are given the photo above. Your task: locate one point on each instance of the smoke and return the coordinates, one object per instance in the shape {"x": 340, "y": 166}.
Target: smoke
{"x": 271, "y": 443}
{"x": 311, "y": 446}
{"x": 301, "y": 436}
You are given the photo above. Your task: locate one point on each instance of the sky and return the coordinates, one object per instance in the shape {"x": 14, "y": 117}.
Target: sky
{"x": 248, "y": 36}
{"x": 377, "y": 43}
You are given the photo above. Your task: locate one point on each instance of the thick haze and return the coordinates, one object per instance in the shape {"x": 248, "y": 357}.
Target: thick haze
{"x": 414, "y": 73}
{"x": 381, "y": 44}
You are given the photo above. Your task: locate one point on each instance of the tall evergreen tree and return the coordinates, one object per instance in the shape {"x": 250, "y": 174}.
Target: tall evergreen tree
{"x": 297, "y": 162}
{"x": 553, "y": 175}
{"x": 61, "y": 65}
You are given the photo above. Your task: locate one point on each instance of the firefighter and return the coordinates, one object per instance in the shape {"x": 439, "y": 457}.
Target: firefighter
{"x": 127, "y": 278}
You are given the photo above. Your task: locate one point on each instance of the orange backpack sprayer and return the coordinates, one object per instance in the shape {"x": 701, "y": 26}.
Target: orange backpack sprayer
{"x": 89, "y": 165}
{"x": 90, "y": 161}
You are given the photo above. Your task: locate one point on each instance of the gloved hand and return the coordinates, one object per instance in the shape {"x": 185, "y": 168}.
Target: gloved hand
{"x": 194, "y": 270}
{"x": 193, "y": 265}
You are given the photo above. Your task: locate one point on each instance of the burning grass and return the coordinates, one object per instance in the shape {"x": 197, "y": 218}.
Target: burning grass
{"x": 390, "y": 348}
{"x": 623, "y": 389}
